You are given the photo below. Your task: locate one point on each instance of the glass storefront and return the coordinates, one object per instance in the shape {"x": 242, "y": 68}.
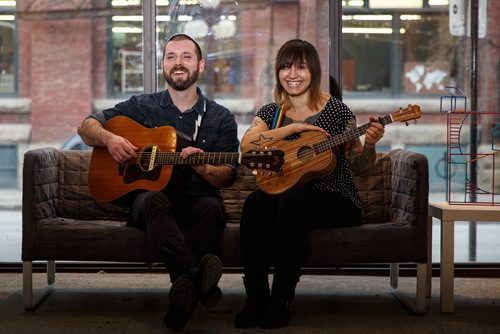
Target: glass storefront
{"x": 7, "y": 48}
{"x": 60, "y": 61}
{"x": 397, "y": 53}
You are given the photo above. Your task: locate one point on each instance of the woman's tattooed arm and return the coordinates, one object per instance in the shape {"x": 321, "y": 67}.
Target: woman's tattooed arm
{"x": 360, "y": 157}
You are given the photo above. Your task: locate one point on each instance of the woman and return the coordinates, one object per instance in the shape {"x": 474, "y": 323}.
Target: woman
{"x": 275, "y": 229}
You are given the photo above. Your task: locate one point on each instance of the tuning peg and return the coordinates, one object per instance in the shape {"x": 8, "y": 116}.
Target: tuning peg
{"x": 254, "y": 172}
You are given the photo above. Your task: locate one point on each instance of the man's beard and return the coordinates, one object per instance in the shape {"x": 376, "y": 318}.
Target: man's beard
{"x": 181, "y": 84}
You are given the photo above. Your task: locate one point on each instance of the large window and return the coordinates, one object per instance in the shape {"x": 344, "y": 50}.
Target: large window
{"x": 397, "y": 52}
{"x": 8, "y": 166}
{"x": 239, "y": 50}
{"x": 214, "y": 24}
{"x": 7, "y": 48}
{"x": 62, "y": 60}
{"x": 126, "y": 56}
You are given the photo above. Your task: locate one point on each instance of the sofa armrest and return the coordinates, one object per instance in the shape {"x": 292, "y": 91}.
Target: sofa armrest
{"x": 410, "y": 186}
{"x": 410, "y": 197}
{"x": 40, "y": 190}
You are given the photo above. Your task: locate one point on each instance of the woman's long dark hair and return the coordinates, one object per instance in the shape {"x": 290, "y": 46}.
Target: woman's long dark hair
{"x": 296, "y": 52}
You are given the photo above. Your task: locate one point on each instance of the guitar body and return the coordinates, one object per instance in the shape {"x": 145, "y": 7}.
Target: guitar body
{"x": 301, "y": 163}
{"x": 311, "y": 155}
{"x": 109, "y": 180}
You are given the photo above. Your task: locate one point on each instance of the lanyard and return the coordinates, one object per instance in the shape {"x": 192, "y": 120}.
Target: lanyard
{"x": 198, "y": 121}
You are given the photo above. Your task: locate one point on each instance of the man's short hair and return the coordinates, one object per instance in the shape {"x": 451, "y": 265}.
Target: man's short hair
{"x": 180, "y": 37}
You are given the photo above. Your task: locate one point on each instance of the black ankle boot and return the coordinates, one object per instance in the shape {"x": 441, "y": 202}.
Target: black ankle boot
{"x": 277, "y": 313}
{"x": 279, "y": 308}
{"x": 257, "y": 289}
{"x": 251, "y": 314}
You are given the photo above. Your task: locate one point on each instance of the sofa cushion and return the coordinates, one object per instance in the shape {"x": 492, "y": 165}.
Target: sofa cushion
{"x": 74, "y": 199}
{"x": 91, "y": 240}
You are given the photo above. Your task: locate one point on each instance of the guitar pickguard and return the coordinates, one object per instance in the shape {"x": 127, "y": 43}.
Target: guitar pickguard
{"x": 134, "y": 173}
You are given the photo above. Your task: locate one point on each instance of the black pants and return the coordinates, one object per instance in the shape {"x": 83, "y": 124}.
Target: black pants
{"x": 276, "y": 229}
{"x": 181, "y": 228}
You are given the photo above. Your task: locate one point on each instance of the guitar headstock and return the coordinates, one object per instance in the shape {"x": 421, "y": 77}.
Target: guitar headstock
{"x": 271, "y": 160}
{"x": 406, "y": 114}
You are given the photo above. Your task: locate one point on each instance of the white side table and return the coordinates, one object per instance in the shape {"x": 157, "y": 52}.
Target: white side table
{"x": 448, "y": 214}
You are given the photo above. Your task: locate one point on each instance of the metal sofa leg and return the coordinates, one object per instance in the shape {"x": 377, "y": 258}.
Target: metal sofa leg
{"x": 416, "y": 305}
{"x": 394, "y": 275}
{"x": 30, "y": 301}
{"x": 429, "y": 258}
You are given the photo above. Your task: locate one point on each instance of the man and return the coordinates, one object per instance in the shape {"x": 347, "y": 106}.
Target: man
{"x": 184, "y": 221}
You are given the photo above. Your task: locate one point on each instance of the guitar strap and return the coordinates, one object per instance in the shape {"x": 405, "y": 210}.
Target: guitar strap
{"x": 197, "y": 124}
{"x": 278, "y": 117}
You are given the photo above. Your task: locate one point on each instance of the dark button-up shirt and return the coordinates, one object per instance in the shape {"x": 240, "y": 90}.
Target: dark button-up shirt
{"x": 217, "y": 133}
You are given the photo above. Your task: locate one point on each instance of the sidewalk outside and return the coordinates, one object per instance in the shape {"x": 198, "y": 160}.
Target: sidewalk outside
{"x": 10, "y": 199}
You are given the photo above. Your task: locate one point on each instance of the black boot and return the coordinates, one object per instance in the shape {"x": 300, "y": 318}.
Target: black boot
{"x": 257, "y": 290}
{"x": 279, "y": 309}
{"x": 277, "y": 313}
{"x": 207, "y": 278}
{"x": 183, "y": 302}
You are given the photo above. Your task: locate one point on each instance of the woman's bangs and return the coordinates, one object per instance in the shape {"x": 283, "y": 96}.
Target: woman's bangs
{"x": 293, "y": 56}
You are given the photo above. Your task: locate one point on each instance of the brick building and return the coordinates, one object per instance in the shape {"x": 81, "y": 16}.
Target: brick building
{"x": 66, "y": 67}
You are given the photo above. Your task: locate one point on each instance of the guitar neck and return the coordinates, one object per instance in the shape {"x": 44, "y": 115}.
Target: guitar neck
{"x": 346, "y": 136}
{"x": 174, "y": 158}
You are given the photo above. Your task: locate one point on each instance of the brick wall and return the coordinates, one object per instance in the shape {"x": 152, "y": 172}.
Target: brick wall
{"x": 62, "y": 67}
{"x": 61, "y": 82}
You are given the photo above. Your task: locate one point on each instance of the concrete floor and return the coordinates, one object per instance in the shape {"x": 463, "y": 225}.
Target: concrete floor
{"x": 136, "y": 303}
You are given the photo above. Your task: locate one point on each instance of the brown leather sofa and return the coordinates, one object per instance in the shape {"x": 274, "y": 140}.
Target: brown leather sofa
{"x": 62, "y": 222}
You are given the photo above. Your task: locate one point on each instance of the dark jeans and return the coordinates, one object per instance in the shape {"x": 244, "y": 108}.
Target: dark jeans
{"x": 181, "y": 228}
{"x": 276, "y": 229}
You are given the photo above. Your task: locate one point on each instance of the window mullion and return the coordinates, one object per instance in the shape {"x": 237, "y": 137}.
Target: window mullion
{"x": 335, "y": 48}
{"x": 149, "y": 47}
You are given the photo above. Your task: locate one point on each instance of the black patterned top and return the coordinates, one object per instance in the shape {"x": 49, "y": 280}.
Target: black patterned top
{"x": 334, "y": 119}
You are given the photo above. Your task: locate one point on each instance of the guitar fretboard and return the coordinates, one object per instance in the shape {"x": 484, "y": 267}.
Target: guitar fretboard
{"x": 174, "y": 158}
{"x": 331, "y": 142}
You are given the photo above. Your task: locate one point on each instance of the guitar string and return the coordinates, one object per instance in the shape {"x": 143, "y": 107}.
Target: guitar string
{"x": 331, "y": 142}
{"x": 222, "y": 157}
{"x": 174, "y": 157}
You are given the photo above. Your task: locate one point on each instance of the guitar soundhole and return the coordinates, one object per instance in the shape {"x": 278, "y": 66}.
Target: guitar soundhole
{"x": 305, "y": 153}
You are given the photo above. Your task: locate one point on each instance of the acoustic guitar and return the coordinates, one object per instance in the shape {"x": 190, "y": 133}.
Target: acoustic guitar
{"x": 152, "y": 168}
{"x": 311, "y": 155}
